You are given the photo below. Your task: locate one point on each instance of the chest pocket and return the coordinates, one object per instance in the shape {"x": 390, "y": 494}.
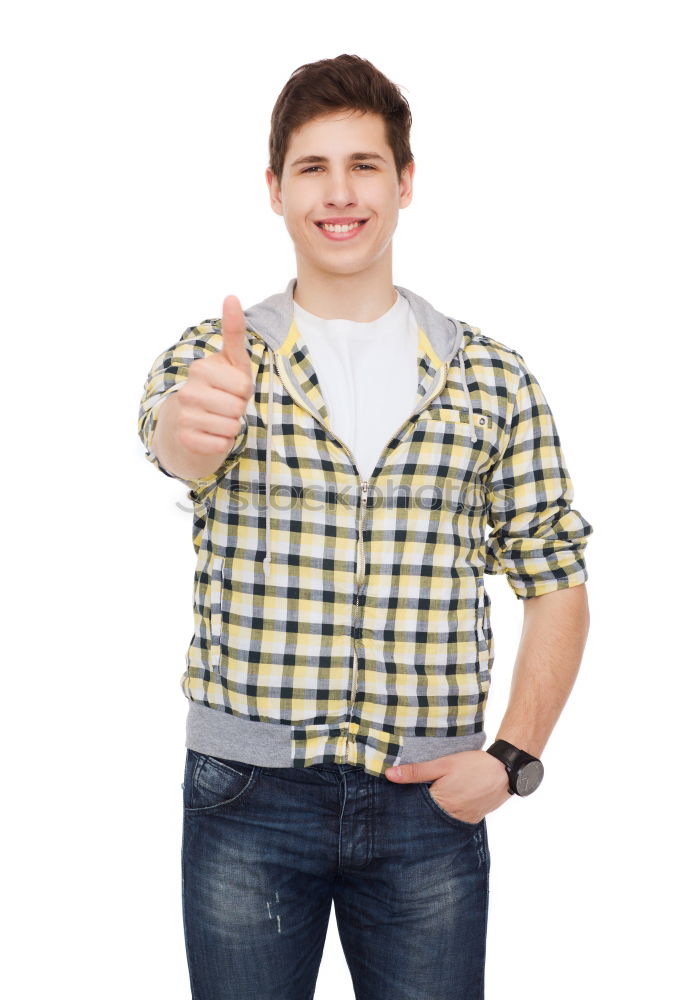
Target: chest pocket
{"x": 455, "y": 414}
{"x": 445, "y": 450}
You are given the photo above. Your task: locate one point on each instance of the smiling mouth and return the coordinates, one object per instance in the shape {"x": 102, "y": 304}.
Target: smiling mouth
{"x": 341, "y": 232}
{"x": 341, "y": 227}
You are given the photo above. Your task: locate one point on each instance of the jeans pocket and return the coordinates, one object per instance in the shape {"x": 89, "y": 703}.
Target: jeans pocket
{"x": 213, "y": 783}
{"x": 428, "y": 798}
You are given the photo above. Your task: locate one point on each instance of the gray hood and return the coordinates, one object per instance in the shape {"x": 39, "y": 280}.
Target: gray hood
{"x": 272, "y": 318}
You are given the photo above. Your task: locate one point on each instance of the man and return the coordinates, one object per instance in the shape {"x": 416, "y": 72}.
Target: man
{"x": 347, "y": 447}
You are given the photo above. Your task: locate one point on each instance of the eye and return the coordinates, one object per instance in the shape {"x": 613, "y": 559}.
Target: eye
{"x": 308, "y": 170}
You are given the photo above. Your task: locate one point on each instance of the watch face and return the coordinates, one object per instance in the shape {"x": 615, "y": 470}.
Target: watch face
{"x": 529, "y": 777}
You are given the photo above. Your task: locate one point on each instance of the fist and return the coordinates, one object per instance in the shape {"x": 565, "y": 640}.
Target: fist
{"x": 217, "y": 391}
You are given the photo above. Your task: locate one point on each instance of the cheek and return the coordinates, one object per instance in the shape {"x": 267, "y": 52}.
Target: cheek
{"x": 296, "y": 227}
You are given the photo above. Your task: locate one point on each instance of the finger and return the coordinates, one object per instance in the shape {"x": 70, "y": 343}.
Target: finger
{"x": 220, "y": 397}
{"x": 201, "y": 443}
{"x": 423, "y": 771}
{"x": 205, "y": 373}
{"x": 234, "y": 347}
{"x": 214, "y": 423}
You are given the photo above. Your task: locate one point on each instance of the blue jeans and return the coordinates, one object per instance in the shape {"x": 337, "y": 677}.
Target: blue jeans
{"x": 267, "y": 850}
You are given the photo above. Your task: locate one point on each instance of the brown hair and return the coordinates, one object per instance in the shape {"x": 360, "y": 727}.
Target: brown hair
{"x": 341, "y": 84}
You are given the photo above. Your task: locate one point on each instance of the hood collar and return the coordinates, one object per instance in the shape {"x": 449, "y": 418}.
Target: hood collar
{"x": 272, "y": 319}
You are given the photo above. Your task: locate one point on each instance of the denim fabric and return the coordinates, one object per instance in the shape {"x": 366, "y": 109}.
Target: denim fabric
{"x": 267, "y": 851}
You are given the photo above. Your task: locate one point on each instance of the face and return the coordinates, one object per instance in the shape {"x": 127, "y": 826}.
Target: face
{"x": 335, "y": 186}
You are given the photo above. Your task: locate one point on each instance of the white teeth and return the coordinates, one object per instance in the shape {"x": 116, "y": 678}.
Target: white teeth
{"x": 339, "y": 228}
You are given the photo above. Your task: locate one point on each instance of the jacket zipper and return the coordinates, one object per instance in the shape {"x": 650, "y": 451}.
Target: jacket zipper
{"x": 364, "y": 488}
{"x": 360, "y": 535}
{"x": 358, "y": 606}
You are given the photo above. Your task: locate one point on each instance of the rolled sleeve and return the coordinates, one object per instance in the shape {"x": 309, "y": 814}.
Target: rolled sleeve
{"x": 537, "y": 538}
{"x": 168, "y": 373}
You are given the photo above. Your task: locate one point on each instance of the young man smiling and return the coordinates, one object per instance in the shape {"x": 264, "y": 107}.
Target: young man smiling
{"x": 350, "y": 184}
{"x": 340, "y": 665}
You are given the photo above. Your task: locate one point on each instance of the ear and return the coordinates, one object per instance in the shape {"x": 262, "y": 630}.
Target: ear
{"x": 274, "y": 191}
{"x": 406, "y": 178}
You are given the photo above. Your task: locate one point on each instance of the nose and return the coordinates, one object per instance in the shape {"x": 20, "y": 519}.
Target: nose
{"x": 340, "y": 190}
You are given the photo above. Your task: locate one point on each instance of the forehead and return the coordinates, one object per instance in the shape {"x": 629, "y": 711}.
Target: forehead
{"x": 337, "y": 134}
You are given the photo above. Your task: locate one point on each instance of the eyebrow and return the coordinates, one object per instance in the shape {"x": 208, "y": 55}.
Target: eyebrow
{"x": 324, "y": 159}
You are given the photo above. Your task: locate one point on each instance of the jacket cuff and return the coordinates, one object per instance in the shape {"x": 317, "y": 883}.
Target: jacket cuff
{"x": 570, "y": 572}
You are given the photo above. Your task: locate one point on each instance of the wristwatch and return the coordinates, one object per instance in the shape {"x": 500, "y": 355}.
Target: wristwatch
{"x": 524, "y": 771}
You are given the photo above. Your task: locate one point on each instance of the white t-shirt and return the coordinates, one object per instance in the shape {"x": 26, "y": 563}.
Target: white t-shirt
{"x": 367, "y": 374}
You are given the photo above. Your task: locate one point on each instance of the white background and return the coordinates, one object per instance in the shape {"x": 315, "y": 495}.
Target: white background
{"x": 551, "y": 209}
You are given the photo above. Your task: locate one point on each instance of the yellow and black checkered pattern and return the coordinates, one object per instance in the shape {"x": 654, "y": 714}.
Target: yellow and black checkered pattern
{"x": 373, "y": 622}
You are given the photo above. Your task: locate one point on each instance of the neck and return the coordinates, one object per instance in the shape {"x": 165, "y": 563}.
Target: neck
{"x": 362, "y": 297}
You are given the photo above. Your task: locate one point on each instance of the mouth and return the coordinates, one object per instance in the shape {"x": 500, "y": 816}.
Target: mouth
{"x": 341, "y": 232}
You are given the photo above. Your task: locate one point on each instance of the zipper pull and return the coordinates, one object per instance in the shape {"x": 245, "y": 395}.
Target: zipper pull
{"x": 365, "y": 492}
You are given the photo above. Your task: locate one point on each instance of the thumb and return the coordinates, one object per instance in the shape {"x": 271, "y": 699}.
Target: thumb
{"x": 234, "y": 327}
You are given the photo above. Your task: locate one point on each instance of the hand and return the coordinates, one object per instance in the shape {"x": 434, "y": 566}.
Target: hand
{"x": 468, "y": 784}
{"x": 217, "y": 391}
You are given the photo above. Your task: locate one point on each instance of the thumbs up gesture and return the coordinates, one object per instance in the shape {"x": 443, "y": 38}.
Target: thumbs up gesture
{"x": 217, "y": 391}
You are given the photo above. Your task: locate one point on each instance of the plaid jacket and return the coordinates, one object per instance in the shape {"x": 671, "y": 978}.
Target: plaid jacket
{"x": 352, "y": 613}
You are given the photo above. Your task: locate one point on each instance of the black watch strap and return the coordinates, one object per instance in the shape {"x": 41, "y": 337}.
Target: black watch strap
{"x": 512, "y": 758}
{"x": 506, "y": 752}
